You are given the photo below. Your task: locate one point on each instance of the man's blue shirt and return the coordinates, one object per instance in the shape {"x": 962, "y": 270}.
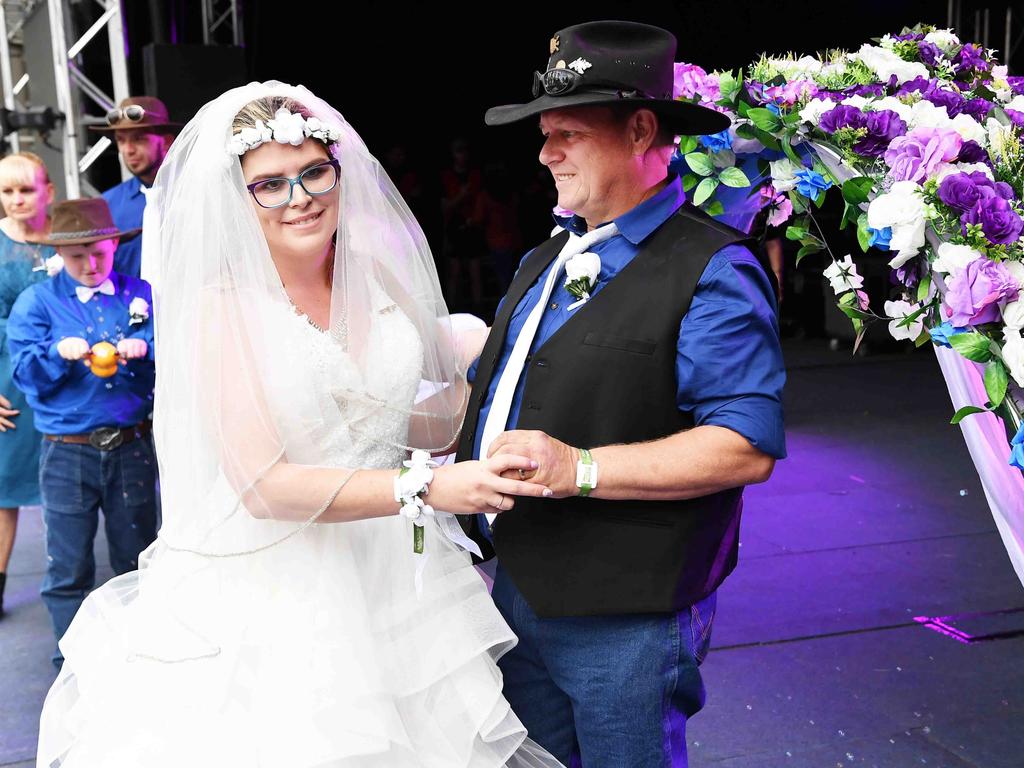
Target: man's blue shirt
{"x": 729, "y": 366}
{"x": 127, "y": 202}
{"x": 66, "y": 397}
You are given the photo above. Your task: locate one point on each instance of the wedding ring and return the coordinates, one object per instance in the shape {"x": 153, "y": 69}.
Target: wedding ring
{"x": 522, "y": 474}
{"x": 501, "y": 504}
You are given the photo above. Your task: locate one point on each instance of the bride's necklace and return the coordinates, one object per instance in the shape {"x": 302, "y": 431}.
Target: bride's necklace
{"x": 297, "y": 308}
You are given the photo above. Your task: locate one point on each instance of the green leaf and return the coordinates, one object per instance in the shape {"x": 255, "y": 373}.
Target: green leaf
{"x": 765, "y": 119}
{"x": 860, "y": 336}
{"x": 715, "y": 209}
{"x": 807, "y": 250}
{"x": 923, "y": 287}
{"x": 911, "y": 318}
{"x": 746, "y": 131}
{"x": 820, "y": 199}
{"x": 704, "y": 190}
{"x": 856, "y": 191}
{"x": 733, "y": 177}
{"x": 967, "y": 410}
{"x": 972, "y": 345}
{"x": 795, "y": 232}
{"x": 854, "y": 313}
{"x": 791, "y": 118}
{"x": 996, "y": 381}
{"x": 728, "y": 86}
{"x": 850, "y": 214}
{"x": 690, "y": 181}
{"x": 743, "y": 109}
{"x": 787, "y": 148}
{"x": 863, "y": 236}
{"x": 700, "y": 163}
{"x": 799, "y": 201}
{"x": 770, "y": 141}
{"x": 687, "y": 144}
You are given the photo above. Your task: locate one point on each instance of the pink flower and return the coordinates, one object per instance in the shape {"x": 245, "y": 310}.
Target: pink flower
{"x": 921, "y": 153}
{"x": 691, "y": 80}
{"x": 790, "y": 93}
{"x": 782, "y": 209}
{"x": 862, "y": 300}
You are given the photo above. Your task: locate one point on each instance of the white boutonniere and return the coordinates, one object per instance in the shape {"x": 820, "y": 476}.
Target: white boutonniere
{"x": 581, "y": 273}
{"x": 52, "y": 265}
{"x": 138, "y": 310}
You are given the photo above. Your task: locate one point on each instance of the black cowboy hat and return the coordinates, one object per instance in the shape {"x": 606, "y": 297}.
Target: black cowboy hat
{"x": 613, "y": 62}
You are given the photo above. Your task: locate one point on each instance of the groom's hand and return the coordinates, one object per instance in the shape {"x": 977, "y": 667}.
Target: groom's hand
{"x": 556, "y": 460}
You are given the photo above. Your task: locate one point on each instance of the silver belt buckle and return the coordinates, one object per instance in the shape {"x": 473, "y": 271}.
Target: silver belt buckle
{"x": 106, "y": 438}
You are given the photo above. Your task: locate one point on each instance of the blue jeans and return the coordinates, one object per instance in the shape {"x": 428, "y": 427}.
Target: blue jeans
{"x": 75, "y": 482}
{"x": 610, "y": 691}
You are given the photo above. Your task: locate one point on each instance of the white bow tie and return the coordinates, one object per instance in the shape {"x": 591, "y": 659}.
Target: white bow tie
{"x": 85, "y": 293}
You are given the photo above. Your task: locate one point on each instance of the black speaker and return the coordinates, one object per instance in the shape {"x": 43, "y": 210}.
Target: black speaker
{"x": 185, "y": 77}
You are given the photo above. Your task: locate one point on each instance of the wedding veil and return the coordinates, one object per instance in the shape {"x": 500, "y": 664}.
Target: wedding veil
{"x": 238, "y": 419}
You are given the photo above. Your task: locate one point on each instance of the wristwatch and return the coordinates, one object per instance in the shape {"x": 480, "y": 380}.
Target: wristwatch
{"x": 586, "y": 473}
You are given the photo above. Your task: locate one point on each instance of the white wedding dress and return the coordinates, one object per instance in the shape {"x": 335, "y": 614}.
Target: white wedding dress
{"x": 316, "y": 651}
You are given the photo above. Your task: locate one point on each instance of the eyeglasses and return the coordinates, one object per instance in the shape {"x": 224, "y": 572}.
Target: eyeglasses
{"x": 133, "y": 113}
{"x": 318, "y": 180}
{"x": 555, "y": 82}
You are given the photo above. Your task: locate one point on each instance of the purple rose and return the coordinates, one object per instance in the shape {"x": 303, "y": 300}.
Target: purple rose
{"x": 973, "y": 294}
{"x": 953, "y": 102}
{"x": 835, "y": 96}
{"x": 976, "y": 108}
{"x": 929, "y": 52}
{"x": 871, "y": 89}
{"x": 910, "y": 36}
{"x": 959, "y": 191}
{"x": 842, "y": 116}
{"x": 999, "y": 222}
{"x": 883, "y": 126}
{"x": 917, "y": 84}
{"x": 917, "y": 155}
{"x": 971, "y": 58}
{"x": 972, "y": 152}
{"x": 1016, "y": 82}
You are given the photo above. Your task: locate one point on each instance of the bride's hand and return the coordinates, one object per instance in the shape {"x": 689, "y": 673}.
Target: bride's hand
{"x": 471, "y": 487}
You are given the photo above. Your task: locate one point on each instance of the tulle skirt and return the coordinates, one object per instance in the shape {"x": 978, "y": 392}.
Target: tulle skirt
{"x": 315, "y": 652}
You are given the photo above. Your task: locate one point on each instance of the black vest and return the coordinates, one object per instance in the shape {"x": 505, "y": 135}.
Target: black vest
{"x": 608, "y": 376}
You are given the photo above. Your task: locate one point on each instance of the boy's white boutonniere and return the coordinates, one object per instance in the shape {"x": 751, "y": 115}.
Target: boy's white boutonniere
{"x": 139, "y": 311}
{"x": 581, "y": 273}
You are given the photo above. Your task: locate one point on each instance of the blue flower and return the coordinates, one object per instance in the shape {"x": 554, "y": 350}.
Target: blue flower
{"x": 1017, "y": 444}
{"x": 810, "y": 184}
{"x": 940, "y": 334}
{"x": 880, "y": 238}
{"x": 774, "y": 108}
{"x": 716, "y": 142}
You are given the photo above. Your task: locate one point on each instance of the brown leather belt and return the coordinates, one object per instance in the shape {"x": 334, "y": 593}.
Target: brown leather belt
{"x": 105, "y": 438}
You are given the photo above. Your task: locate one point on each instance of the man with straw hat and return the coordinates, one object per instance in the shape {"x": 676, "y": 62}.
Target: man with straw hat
{"x": 81, "y": 347}
{"x": 143, "y": 132}
{"x": 636, "y": 359}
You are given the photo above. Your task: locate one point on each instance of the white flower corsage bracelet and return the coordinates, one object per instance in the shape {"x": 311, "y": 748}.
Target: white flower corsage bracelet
{"x": 411, "y": 484}
{"x": 581, "y": 273}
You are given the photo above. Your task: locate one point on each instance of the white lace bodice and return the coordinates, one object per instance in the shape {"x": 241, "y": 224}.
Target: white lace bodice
{"x": 373, "y": 397}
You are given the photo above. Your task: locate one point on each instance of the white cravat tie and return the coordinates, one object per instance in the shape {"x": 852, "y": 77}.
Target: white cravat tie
{"x": 497, "y": 417}
{"x": 85, "y": 293}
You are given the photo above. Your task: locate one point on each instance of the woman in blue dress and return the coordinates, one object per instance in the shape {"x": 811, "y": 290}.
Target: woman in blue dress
{"x": 25, "y": 194}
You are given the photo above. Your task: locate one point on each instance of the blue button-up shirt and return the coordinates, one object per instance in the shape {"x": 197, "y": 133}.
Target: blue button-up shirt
{"x": 127, "y": 202}
{"x": 66, "y": 397}
{"x": 729, "y": 366}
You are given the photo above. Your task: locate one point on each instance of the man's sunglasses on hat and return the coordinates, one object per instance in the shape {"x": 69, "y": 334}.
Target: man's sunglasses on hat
{"x": 133, "y": 113}
{"x": 555, "y": 82}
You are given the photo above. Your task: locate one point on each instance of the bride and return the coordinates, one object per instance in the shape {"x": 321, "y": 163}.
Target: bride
{"x": 288, "y": 615}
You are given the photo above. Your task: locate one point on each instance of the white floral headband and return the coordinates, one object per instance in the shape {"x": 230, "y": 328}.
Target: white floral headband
{"x": 285, "y": 128}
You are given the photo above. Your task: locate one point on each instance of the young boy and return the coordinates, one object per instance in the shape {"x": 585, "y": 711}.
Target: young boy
{"x": 92, "y": 409}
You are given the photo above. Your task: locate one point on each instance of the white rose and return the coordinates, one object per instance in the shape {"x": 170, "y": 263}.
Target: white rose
{"x": 583, "y": 265}
{"x": 998, "y": 136}
{"x": 975, "y": 168}
{"x": 902, "y": 208}
{"x": 887, "y": 41}
{"x": 924, "y": 114}
{"x": 856, "y": 101}
{"x": 54, "y": 264}
{"x": 288, "y": 127}
{"x": 885, "y": 64}
{"x": 970, "y": 129}
{"x": 952, "y": 257}
{"x": 898, "y": 310}
{"x": 139, "y": 306}
{"x": 943, "y": 38}
{"x": 892, "y": 103}
{"x": 1013, "y": 354}
{"x": 1017, "y": 103}
{"x": 814, "y": 109}
{"x": 1013, "y": 311}
{"x": 784, "y": 174}
{"x": 807, "y": 65}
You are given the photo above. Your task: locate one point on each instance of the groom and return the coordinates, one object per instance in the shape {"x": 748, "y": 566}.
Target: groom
{"x": 649, "y": 397}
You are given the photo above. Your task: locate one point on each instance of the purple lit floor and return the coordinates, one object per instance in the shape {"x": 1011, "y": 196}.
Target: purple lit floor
{"x": 876, "y": 518}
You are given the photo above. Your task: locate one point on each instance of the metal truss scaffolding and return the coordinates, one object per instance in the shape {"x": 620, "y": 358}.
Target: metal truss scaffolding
{"x": 222, "y": 22}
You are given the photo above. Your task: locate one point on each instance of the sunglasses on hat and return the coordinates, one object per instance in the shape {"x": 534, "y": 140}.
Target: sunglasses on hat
{"x": 133, "y": 113}
{"x": 555, "y": 82}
